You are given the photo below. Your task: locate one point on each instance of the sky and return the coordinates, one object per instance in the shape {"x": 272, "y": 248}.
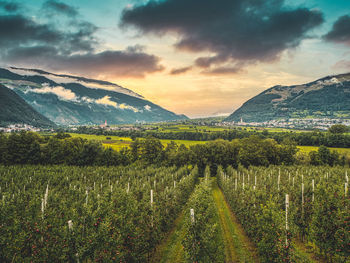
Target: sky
{"x": 194, "y": 57}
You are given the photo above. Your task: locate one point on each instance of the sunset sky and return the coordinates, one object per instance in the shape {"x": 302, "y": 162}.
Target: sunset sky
{"x": 194, "y": 57}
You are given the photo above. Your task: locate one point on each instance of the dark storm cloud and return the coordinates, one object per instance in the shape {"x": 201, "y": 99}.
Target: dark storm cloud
{"x": 233, "y": 30}
{"x": 340, "y": 32}
{"x": 224, "y": 70}
{"x": 177, "y": 71}
{"x": 17, "y": 29}
{"x": 9, "y": 6}
{"x": 126, "y": 63}
{"x": 71, "y": 48}
{"x": 52, "y": 7}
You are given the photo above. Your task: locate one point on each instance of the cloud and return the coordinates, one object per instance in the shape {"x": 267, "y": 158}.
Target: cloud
{"x": 177, "y": 71}
{"x": 147, "y": 107}
{"x": 71, "y": 48}
{"x": 124, "y": 106}
{"x": 233, "y": 31}
{"x": 16, "y": 30}
{"x": 53, "y": 7}
{"x": 9, "y": 6}
{"x": 225, "y": 70}
{"x": 106, "y": 100}
{"x": 340, "y": 32}
{"x": 126, "y": 63}
{"x": 342, "y": 64}
{"x": 61, "y": 92}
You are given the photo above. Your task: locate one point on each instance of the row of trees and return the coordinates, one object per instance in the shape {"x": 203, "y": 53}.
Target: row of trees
{"x": 31, "y": 148}
{"x": 335, "y": 137}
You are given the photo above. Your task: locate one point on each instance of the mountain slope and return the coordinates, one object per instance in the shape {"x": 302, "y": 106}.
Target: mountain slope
{"x": 15, "y": 110}
{"x": 71, "y": 100}
{"x": 324, "y": 98}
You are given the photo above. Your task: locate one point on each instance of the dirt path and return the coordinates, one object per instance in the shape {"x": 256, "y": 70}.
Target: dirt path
{"x": 238, "y": 247}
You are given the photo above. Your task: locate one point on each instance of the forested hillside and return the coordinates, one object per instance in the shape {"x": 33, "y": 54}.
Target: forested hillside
{"x": 15, "y": 110}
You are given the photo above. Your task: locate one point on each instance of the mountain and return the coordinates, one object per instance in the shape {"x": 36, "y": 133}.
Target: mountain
{"x": 328, "y": 97}
{"x": 15, "y": 110}
{"x": 72, "y": 100}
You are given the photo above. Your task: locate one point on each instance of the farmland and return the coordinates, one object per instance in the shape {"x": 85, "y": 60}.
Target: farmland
{"x": 117, "y": 143}
{"x": 159, "y": 214}
{"x": 69, "y": 198}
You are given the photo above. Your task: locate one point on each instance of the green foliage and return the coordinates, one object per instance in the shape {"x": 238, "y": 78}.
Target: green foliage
{"x": 202, "y": 242}
{"x": 325, "y": 157}
{"x": 270, "y": 222}
{"x": 329, "y": 227}
{"x": 200, "y": 134}
{"x": 338, "y": 129}
{"x": 109, "y": 224}
{"x": 320, "y": 217}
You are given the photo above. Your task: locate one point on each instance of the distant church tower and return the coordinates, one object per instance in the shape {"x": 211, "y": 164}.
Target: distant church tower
{"x": 241, "y": 120}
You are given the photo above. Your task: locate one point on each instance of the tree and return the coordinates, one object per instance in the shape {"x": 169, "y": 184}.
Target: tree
{"x": 3, "y": 140}
{"x": 22, "y": 148}
{"x": 338, "y": 128}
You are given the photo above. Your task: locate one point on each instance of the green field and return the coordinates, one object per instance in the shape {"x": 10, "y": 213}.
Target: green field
{"x": 117, "y": 143}
{"x": 307, "y": 149}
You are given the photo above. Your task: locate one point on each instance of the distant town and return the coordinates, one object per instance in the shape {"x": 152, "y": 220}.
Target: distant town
{"x": 301, "y": 124}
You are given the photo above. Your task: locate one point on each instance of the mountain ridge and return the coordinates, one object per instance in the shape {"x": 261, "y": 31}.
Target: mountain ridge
{"x": 326, "y": 97}
{"x": 72, "y": 100}
{"x": 14, "y": 110}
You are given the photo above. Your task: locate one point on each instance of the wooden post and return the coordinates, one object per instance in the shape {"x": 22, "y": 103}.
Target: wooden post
{"x": 313, "y": 190}
{"x": 151, "y": 197}
{"x": 287, "y": 227}
{"x": 152, "y": 206}
{"x": 70, "y": 225}
{"x": 302, "y": 199}
{"x": 192, "y": 215}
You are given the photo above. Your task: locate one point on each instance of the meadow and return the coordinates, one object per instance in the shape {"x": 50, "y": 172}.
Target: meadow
{"x": 117, "y": 143}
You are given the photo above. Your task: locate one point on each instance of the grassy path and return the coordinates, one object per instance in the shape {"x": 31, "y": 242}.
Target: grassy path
{"x": 306, "y": 254}
{"x": 238, "y": 247}
{"x": 171, "y": 249}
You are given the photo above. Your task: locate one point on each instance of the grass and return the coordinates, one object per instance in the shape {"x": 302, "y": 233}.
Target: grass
{"x": 305, "y": 254}
{"x": 307, "y": 149}
{"x": 171, "y": 249}
{"x": 238, "y": 247}
{"x": 117, "y": 143}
